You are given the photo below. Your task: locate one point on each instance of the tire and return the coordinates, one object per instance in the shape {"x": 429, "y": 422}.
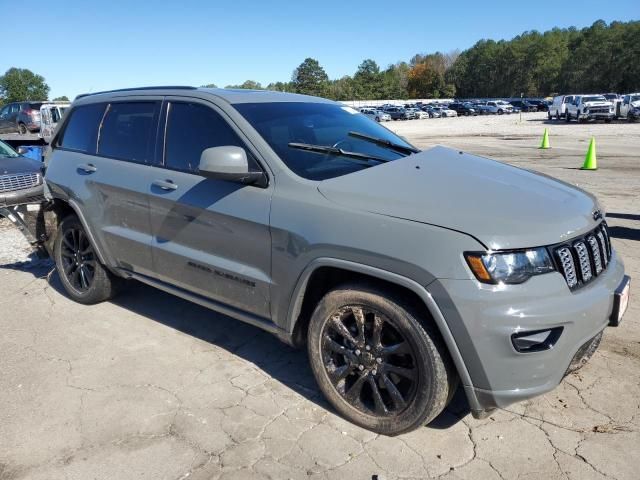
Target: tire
{"x": 558, "y": 116}
{"x": 407, "y": 364}
{"x": 378, "y": 119}
{"x": 567, "y": 117}
{"x": 549, "y": 117}
{"x": 607, "y": 120}
{"x": 92, "y": 283}
{"x": 500, "y": 112}
{"x": 22, "y": 129}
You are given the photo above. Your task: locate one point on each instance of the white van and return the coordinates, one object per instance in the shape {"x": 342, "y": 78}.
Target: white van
{"x": 558, "y": 108}
{"x": 50, "y": 115}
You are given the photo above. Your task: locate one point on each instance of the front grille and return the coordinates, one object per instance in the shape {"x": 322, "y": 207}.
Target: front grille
{"x": 583, "y": 259}
{"x": 8, "y": 183}
{"x": 599, "y": 110}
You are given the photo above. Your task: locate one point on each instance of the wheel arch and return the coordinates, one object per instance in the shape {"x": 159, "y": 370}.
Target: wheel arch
{"x": 323, "y": 274}
{"x": 60, "y": 209}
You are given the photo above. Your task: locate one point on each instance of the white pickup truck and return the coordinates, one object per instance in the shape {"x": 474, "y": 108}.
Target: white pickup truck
{"x": 589, "y": 107}
{"x": 629, "y": 107}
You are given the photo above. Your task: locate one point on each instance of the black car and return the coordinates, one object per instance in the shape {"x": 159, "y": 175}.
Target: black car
{"x": 524, "y": 105}
{"x": 463, "y": 108}
{"x": 20, "y": 178}
{"x": 20, "y": 117}
{"x": 541, "y": 105}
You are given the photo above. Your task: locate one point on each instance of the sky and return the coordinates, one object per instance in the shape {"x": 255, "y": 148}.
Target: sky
{"x": 87, "y": 46}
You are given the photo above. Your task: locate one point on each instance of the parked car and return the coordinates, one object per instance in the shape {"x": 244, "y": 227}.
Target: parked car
{"x": 20, "y": 178}
{"x": 541, "y": 105}
{"x": 377, "y": 115}
{"x": 482, "y": 108}
{"x": 417, "y": 114}
{"x": 20, "y": 117}
{"x": 558, "y": 108}
{"x": 433, "y": 112}
{"x": 524, "y": 105}
{"x": 50, "y": 114}
{"x": 328, "y": 230}
{"x": 499, "y": 107}
{"x": 463, "y": 108}
{"x": 612, "y": 97}
{"x": 590, "y": 107}
{"x": 446, "y": 112}
{"x": 629, "y": 107}
{"x": 398, "y": 113}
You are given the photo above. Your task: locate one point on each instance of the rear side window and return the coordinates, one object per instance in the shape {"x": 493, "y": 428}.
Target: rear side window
{"x": 129, "y": 131}
{"x": 81, "y": 130}
{"x": 192, "y": 128}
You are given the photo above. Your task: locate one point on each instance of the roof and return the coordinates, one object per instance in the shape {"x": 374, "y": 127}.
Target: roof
{"x": 232, "y": 96}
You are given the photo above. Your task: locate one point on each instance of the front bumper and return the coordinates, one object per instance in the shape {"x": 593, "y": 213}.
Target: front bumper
{"x": 23, "y": 196}
{"x": 597, "y": 116}
{"x": 483, "y": 318}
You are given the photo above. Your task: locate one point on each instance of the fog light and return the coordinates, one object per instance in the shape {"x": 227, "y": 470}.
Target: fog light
{"x": 536, "y": 340}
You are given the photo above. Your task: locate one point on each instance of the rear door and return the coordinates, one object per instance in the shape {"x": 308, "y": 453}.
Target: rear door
{"x": 210, "y": 236}
{"x": 107, "y": 149}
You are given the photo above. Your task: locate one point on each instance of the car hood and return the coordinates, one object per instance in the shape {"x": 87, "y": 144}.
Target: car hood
{"x": 500, "y": 205}
{"x": 597, "y": 104}
{"x": 10, "y": 166}
{"x": 635, "y": 104}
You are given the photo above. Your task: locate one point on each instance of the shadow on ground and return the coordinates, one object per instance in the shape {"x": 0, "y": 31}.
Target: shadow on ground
{"x": 278, "y": 360}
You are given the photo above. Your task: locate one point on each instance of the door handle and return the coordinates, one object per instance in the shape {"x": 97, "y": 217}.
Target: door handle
{"x": 167, "y": 185}
{"x": 87, "y": 167}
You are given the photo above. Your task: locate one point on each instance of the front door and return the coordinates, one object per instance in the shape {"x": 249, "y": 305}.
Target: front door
{"x": 210, "y": 237}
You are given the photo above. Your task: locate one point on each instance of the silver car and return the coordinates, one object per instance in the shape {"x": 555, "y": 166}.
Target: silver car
{"x": 300, "y": 216}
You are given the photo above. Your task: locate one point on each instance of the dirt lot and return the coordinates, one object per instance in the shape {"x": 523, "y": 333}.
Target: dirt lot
{"x": 152, "y": 387}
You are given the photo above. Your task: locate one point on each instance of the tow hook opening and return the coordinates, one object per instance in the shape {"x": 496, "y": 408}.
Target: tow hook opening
{"x": 536, "y": 340}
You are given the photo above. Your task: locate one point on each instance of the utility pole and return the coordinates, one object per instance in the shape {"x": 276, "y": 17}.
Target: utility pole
{"x": 522, "y": 105}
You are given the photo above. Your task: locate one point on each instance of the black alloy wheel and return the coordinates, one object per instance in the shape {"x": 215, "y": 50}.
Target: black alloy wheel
{"x": 78, "y": 259}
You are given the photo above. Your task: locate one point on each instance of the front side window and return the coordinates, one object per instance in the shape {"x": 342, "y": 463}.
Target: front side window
{"x": 81, "y": 129}
{"x": 321, "y": 124}
{"x": 128, "y": 131}
{"x": 191, "y": 129}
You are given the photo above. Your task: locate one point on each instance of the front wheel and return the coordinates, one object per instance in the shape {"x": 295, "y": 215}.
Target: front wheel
{"x": 379, "y": 362}
{"x": 82, "y": 275}
{"x": 567, "y": 117}
{"x": 22, "y": 129}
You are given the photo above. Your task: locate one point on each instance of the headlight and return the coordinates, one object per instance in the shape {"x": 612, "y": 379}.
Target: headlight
{"x": 509, "y": 267}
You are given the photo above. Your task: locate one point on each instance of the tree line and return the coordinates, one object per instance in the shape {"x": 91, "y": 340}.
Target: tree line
{"x": 600, "y": 58}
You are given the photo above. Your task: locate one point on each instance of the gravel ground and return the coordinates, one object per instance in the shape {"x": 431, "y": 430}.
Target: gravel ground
{"x": 152, "y": 387}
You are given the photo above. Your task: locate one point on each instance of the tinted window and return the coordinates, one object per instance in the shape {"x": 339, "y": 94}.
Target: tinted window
{"x": 192, "y": 128}
{"x": 81, "y": 130}
{"x": 129, "y": 131}
{"x": 325, "y": 124}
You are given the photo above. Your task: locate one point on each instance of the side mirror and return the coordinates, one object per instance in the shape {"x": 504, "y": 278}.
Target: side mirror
{"x": 22, "y": 150}
{"x": 228, "y": 163}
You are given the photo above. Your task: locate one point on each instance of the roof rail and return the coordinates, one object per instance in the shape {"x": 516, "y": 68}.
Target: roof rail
{"x": 174, "y": 87}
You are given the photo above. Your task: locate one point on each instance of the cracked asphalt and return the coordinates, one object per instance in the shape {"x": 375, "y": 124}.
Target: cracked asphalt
{"x": 149, "y": 386}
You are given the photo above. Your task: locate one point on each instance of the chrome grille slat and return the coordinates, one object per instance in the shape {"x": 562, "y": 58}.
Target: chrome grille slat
{"x": 595, "y": 252}
{"x": 585, "y": 258}
{"x": 20, "y": 181}
{"x": 568, "y": 267}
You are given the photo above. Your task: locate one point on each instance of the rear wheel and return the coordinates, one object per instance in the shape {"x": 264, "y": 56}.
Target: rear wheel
{"x": 22, "y": 129}
{"x": 378, "y": 361}
{"x": 82, "y": 275}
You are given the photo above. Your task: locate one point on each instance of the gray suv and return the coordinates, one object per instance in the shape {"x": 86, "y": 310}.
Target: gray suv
{"x": 405, "y": 273}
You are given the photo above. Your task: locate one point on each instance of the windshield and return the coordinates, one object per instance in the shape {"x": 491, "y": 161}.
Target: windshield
{"x": 7, "y": 151}
{"x": 634, "y": 98}
{"x": 595, "y": 98}
{"x": 322, "y": 124}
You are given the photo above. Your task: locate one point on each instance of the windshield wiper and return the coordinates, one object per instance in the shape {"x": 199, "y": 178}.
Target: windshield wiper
{"x": 336, "y": 151}
{"x": 384, "y": 143}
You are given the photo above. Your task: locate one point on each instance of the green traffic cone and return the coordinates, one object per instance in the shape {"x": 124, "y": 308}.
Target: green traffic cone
{"x": 545, "y": 139}
{"x": 591, "y": 161}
